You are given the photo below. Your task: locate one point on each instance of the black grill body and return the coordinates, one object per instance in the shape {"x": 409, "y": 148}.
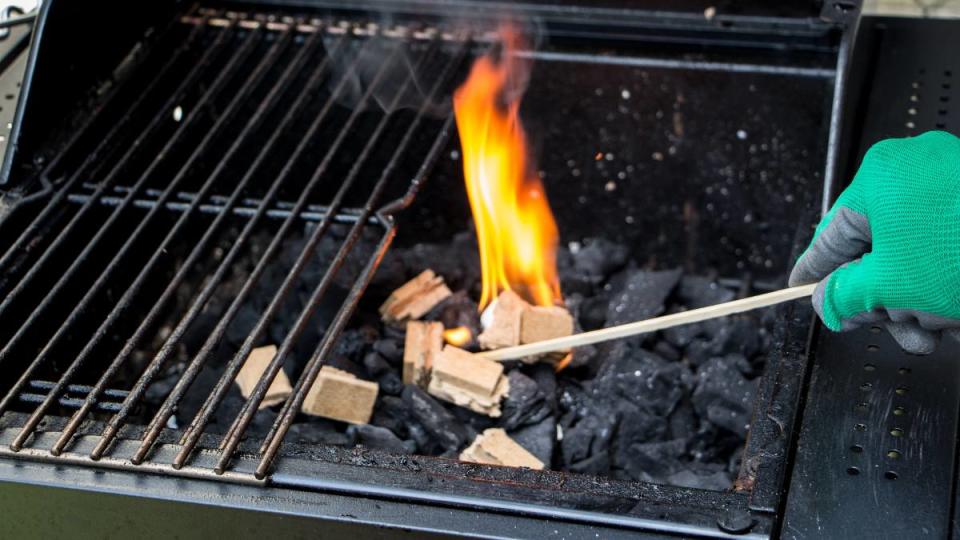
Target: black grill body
{"x": 152, "y": 152}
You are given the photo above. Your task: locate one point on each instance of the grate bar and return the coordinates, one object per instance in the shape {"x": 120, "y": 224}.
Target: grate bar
{"x": 29, "y": 233}
{"x": 190, "y": 373}
{"x": 255, "y": 121}
{"x": 69, "y": 402}
{"x": 76, "y": 388}
{"x": 195, "y": 430}
{"x": 40, "y": 389}
{"x": 290, "y": 408}
{"x": 4, "y": 353}
{"x": 232, "y": 438}
{"x": 222, "y": 78}
{"x": 313, "y": 212}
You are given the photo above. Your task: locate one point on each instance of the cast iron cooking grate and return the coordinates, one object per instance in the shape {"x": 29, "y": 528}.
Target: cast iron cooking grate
{"x": 239, "y": 137}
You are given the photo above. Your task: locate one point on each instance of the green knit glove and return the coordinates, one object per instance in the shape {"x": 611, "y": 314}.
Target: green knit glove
{"x": 889, "y": 249}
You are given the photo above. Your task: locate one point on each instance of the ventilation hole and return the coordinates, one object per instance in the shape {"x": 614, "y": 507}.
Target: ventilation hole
{"x": 946, "y": 86}
{"x": 911, "y": 111}
{"x": 874, "y": 329}
{"x": 915, "y": 84}
{"x": 860, "y": 427}
{"x": 947, "y": 73}
{"x": 944, "y": 99}
{"x": 896, "y": 432}
{"x": 901, "y": 390}
{"x": 941, "y": 125}
{"x": 856, "y": 449}
{"x": 942, "y": 112}
{"x": 9, "y": 96}
{"x": 863, "y": 406}
{"x": 911, "y": 125}
{"x": 904, "y": 371}
{"x": 914, "y": 98}
{"x": 853, "y": 471}
{"x": 890, "y": 475}
{"x": 899, "y": 411}
{"x": 866, "y": 386}
{"x": 894, "y": 454}
{"x": 869, "y": 367}
{"x": 872, "y": 348}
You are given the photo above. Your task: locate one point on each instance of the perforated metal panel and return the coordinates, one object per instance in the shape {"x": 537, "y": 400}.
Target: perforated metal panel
{"x": 878, "y": 444}
{"x": 876, "y": 451}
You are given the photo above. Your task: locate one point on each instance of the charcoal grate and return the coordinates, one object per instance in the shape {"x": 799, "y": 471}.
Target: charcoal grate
{"x": 164, "y": 191}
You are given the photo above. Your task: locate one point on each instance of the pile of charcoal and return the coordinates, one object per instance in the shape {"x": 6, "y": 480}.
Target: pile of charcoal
{"x": 670, "y": 408}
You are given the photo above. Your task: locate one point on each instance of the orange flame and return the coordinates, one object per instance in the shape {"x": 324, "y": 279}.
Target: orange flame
{"x": 515, "y": 227}
{"x": 458, "y": 337}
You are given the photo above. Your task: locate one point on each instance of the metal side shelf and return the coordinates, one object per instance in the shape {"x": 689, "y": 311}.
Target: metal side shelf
{"x": 878, "y": 444}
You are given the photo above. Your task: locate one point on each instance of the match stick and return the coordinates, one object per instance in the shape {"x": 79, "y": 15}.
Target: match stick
{"x": 651, "y": 325}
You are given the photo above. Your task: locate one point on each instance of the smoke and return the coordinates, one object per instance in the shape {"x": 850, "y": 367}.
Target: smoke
{"x": 403, "y": 61}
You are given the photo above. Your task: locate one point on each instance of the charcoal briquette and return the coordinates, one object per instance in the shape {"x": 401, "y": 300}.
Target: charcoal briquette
{"x": 525, "y": 404}
{"x": 666, "y": 351}
{"x": 394, "y": 332}
{"x": 378, "y": 368}
{"x": 658, "y": 459}
{"x": 546, "y": 378}
{"x": 443, "y": 426}
{"x": 597, "y": 464}
{"x": 592, "y": 312}
{"x": 319, "y": 431}
{"x": 587, "y": 437}
{"x": 698, "y": 352}
{"x": 699, "y": 291}
{"x": 458, "y": 310}
{"x": 738, "y": 335}
{"x": 724, "y": 396}
{"x": 682, "y": 422}
{"x": 353, "y": 343}
{"x": 539, "y": 439}
{"x": 394, "y": 414}
{"x": 597, "y": 258}
{"x": 639, "y": 295}
{"x": 636, "y": 425}
{"x": 390, "y": 349}
{"x": 343, "y": 363}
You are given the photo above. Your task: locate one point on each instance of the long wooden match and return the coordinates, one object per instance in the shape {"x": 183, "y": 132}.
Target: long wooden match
{"x": 651, "y": 325}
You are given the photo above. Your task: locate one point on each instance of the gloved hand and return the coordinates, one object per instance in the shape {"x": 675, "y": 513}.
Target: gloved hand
{"x": 889, "y": 249}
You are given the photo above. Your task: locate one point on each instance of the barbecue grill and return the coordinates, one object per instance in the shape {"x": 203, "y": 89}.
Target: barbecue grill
{"x": 170, "y": 167}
